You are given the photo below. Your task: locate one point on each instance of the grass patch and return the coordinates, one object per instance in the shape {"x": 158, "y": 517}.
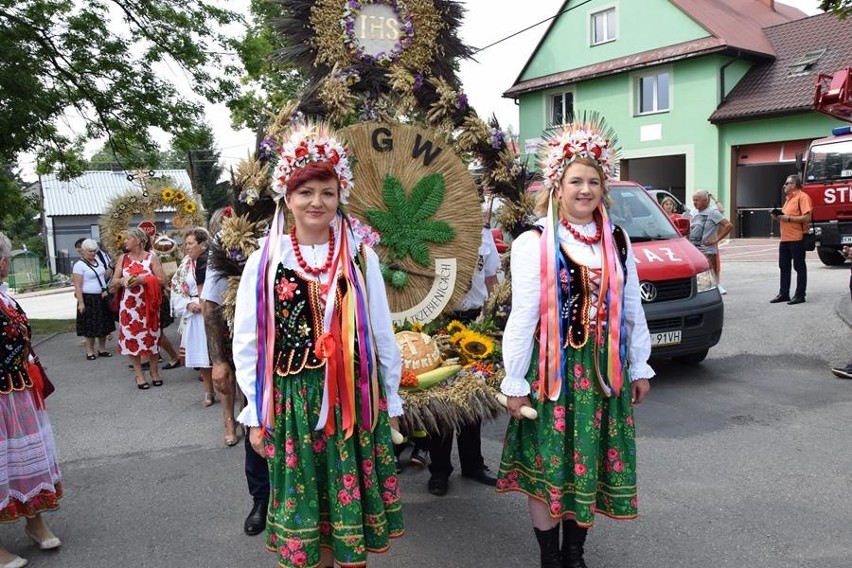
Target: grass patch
{"x": 47, "y": 326}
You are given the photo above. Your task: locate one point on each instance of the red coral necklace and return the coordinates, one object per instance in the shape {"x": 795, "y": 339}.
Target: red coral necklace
{"x": 316, "y": 271}
{"x": 583, "y": 238}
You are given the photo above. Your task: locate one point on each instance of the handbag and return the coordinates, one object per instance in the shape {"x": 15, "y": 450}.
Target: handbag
{"x": 42, "y": 386}
{"x": 115, "y": 302}
{"x": 39, "y": 378}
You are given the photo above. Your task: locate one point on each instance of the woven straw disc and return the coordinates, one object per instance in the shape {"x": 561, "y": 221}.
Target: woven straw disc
{"x": 460, "y": 207}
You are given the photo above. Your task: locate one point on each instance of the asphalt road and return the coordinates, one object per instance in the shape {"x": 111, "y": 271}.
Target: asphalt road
{"x": 744, "y": 460}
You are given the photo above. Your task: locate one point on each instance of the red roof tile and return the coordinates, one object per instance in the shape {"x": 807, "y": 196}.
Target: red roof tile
{"x": 769, "y": 89}
{"x": 733, "y": 25}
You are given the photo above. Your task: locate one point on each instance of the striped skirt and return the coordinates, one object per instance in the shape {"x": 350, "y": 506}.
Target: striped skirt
{"x": 29, "y": 471}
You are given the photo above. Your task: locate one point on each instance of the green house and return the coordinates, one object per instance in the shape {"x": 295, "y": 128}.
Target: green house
{"x": 713, "y": 95}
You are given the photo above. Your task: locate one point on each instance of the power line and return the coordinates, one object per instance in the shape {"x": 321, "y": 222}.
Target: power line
{"x": 566, "y": 10}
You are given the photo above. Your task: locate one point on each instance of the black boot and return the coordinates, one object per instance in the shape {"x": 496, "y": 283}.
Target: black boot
{"x": 548, "y": 542}
{"x": 573, "y": 538}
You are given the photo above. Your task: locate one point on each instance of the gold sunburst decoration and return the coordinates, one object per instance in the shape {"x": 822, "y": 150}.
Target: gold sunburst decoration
{"x": 333, "y": 51}
{"x": 162, "y": 194}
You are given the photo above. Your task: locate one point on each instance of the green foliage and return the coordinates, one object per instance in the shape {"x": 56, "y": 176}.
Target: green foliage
{"x": 841, "y": 8}
{"x": 196, "y": 152}
{"x": 268, "y": 83}
{"x": 19, "y": 214}
{"x": 93, "y": 65}
{"x": 404, "y": 226}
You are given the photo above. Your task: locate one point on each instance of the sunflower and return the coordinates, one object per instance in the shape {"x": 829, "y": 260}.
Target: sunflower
{"x": 179, "y": 196}
{"x": 454, "y": 327}
{"x": 474, "y": 346}
{"x": 189, "y": 207}
{"x": 417, "y": 326}
{"x": 167, "y": 194}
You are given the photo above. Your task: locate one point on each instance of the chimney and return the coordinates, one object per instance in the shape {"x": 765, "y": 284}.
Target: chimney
{"x": 770, "y": 3}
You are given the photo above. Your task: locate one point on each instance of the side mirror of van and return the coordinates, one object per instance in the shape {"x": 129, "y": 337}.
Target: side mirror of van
{"x": 682, "y": 225}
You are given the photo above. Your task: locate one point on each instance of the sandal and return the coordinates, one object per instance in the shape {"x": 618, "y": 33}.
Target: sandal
{"x": 91, "y": 357}
{"x": 209, "y": 399}
{"x": 231, "y": 439}
{"x": 104, "y": 354}
{"x": 158, "y": 382}
{"x": 143, "y": 386}
{"x": 172, "y": 365}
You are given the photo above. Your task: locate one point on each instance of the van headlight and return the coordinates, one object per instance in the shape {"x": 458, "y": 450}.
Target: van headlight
{"x": 705, "y": 281}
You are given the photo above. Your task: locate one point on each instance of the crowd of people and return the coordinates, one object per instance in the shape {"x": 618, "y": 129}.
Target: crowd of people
{"x": 312, "y": 365}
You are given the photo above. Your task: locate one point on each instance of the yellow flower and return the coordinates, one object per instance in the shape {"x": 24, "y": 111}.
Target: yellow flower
{"x": 455, "y": 326}
{"x": 180, "y": 196}
{"x": 167, "y": 194}
{"x": 417, "y": 326}
{"x": 474, "y": 346}
{"x": 189, "y": 207}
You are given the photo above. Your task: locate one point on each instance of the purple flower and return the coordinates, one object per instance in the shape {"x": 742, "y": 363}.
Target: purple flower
{"x": 418, "y": 81}
{"x": 497, "y": 138}
{"x": 461, "y": 101}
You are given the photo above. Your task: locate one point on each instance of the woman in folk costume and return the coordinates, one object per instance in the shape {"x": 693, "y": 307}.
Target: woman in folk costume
{"x": 575, "y": 348}
{"x": 29, "y": 472}
{"x": 316, "y": 358}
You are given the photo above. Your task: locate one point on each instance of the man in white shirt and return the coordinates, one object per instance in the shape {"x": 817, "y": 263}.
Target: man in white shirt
{"x": 469, "y": 444}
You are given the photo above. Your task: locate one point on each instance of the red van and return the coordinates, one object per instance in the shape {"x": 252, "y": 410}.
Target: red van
{"x": 682, "y": 303}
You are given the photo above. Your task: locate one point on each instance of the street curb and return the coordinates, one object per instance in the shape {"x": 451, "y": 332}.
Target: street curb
{"x": 48, "y": 292}
{"x": 45, "y": 339}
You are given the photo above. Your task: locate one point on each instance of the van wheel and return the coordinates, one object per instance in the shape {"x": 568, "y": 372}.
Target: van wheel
{"x": 692, "y": 358}
{"x": 829, "y": 256}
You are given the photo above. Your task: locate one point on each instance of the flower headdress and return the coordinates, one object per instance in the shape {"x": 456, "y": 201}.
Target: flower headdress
{"x": 311, "y": 142}
{"x": 588, "y": 138}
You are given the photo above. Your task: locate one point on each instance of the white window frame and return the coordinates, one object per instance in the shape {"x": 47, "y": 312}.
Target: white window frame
{"x": 608, "y": 13}
{"x": 637, "y": 91}
{"x": 548, "y": 105}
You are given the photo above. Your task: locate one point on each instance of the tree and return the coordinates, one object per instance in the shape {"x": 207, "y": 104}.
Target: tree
{"x": 841, "y": 8}
{"x": 269, "y": 83}
{"x": 106, "y": 159}
{"x": 20, "y": 219}
{"x": 196, "y": 152}
{"x": 98, "y": 60}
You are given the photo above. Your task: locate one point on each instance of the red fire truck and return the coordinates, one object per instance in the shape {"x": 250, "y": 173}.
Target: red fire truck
{"x": 827, "y": 174}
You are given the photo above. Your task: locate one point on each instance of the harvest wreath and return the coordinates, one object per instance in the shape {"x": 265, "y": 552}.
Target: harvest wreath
{"x": 162, "y": 194}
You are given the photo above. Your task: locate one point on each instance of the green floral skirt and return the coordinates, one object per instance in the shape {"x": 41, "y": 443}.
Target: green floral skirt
{"x": 579, "y": 456}
{"x": 327, "y": 491}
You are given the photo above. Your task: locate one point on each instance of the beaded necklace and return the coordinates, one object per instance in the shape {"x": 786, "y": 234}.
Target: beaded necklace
{"x": 316, "y": 271}
{"x": 583, "y": 238}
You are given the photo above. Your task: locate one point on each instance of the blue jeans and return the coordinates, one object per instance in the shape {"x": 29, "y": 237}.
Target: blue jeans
{"x": 792, "y": 252}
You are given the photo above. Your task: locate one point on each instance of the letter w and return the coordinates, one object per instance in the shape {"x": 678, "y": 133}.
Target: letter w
{"x": 427, "y": 148}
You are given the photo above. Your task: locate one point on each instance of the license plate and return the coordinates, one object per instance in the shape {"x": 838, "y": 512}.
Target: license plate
{"x": 846, "y": 240}
{"x": 665, "y": 338}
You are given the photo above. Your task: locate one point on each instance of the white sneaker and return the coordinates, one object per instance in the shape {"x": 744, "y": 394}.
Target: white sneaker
{"x": 721, "y": 289}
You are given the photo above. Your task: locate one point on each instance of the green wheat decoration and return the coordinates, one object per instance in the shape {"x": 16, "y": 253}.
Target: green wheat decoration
{"x": 405, "y": 226}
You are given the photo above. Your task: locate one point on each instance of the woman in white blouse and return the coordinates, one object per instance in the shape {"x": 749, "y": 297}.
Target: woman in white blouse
{"x": 575, "y": 348}
{"x": 94, "y": 320}
{"x": 315, "y": 356}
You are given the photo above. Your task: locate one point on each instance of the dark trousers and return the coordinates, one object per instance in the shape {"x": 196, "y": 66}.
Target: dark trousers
{"x": 470, "y": 452}
{"x": 257, "y": 474}
{"x": 792, "y": 252}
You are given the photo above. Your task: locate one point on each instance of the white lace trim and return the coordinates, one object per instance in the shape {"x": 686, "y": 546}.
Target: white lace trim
{"x": 515, "y": 386}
